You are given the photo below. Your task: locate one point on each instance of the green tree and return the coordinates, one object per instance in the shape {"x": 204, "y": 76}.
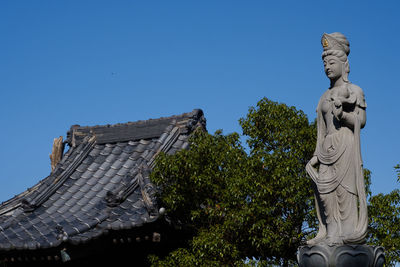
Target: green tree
{"x": 237, "y": 205}
{"x": 384, "y": 216}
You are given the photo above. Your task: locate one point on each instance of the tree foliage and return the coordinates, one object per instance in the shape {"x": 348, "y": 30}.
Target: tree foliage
{"x": 204, "y": 189}
{"x": 384, "y": 226}
{"x": 241, "y": 205}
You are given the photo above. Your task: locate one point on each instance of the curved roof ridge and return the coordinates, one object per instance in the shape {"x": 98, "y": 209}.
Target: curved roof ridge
{"x": 120, "y": 132}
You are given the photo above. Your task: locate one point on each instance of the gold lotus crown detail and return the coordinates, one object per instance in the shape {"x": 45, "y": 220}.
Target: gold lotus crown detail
{"x": 325, "y": 43}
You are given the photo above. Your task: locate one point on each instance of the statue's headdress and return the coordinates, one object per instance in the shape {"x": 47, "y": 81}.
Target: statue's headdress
{"x": 335, "y": 41}
{"x": 336, "y": 44}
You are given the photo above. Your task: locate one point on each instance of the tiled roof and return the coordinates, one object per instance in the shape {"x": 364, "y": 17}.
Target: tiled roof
{"x": 101, "y": 184}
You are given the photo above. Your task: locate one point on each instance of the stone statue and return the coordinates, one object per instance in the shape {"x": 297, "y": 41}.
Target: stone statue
{"x": 339, "y": 182}
{"x": 337, "y": 172}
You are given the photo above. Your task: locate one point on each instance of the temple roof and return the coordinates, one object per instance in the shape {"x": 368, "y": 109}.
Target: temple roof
{"x": 101, "y": 184}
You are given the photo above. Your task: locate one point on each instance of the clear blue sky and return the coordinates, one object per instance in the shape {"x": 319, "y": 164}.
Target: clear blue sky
{"x": 103, "y": 62}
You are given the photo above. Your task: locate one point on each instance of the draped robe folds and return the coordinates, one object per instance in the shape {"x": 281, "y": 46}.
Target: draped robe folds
{"x": 339, "y": 181}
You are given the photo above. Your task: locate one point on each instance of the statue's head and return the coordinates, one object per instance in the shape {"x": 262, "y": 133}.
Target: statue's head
{"x": 336, "y": 49}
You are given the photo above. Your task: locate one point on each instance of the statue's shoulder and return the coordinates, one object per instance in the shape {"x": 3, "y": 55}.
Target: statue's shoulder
{"x": 325, "y": 95}
{"x": 355, "y": 89}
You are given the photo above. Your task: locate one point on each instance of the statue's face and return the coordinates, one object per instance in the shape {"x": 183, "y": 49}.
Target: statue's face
{"x": 333, "y": 67}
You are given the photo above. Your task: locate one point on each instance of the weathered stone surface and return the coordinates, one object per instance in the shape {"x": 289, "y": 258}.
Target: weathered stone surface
{"x": 341, "y": 256}
{"x": 336, "y": 167}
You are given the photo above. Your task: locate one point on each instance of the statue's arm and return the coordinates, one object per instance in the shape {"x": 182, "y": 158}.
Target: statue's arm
{"x": 349, "y": 118}
{"x": 321, "y": 132}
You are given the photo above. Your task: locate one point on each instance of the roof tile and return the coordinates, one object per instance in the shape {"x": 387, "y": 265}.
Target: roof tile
{"x": 73, "y": 197}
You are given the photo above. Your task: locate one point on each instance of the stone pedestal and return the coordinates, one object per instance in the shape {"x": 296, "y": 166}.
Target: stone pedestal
{"x": 341, "y": 256}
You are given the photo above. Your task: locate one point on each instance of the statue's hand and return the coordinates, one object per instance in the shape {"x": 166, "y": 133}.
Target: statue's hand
{"x": 338, "y": 109}
{"x": 314, "y": 161}
{"x": 337, "y": 102}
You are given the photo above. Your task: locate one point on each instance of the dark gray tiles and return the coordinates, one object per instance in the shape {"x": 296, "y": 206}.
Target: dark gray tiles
{"x": 76, "y": 209}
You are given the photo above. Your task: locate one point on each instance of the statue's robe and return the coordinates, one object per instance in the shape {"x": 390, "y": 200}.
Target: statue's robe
{"x": 339, "y": 180}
